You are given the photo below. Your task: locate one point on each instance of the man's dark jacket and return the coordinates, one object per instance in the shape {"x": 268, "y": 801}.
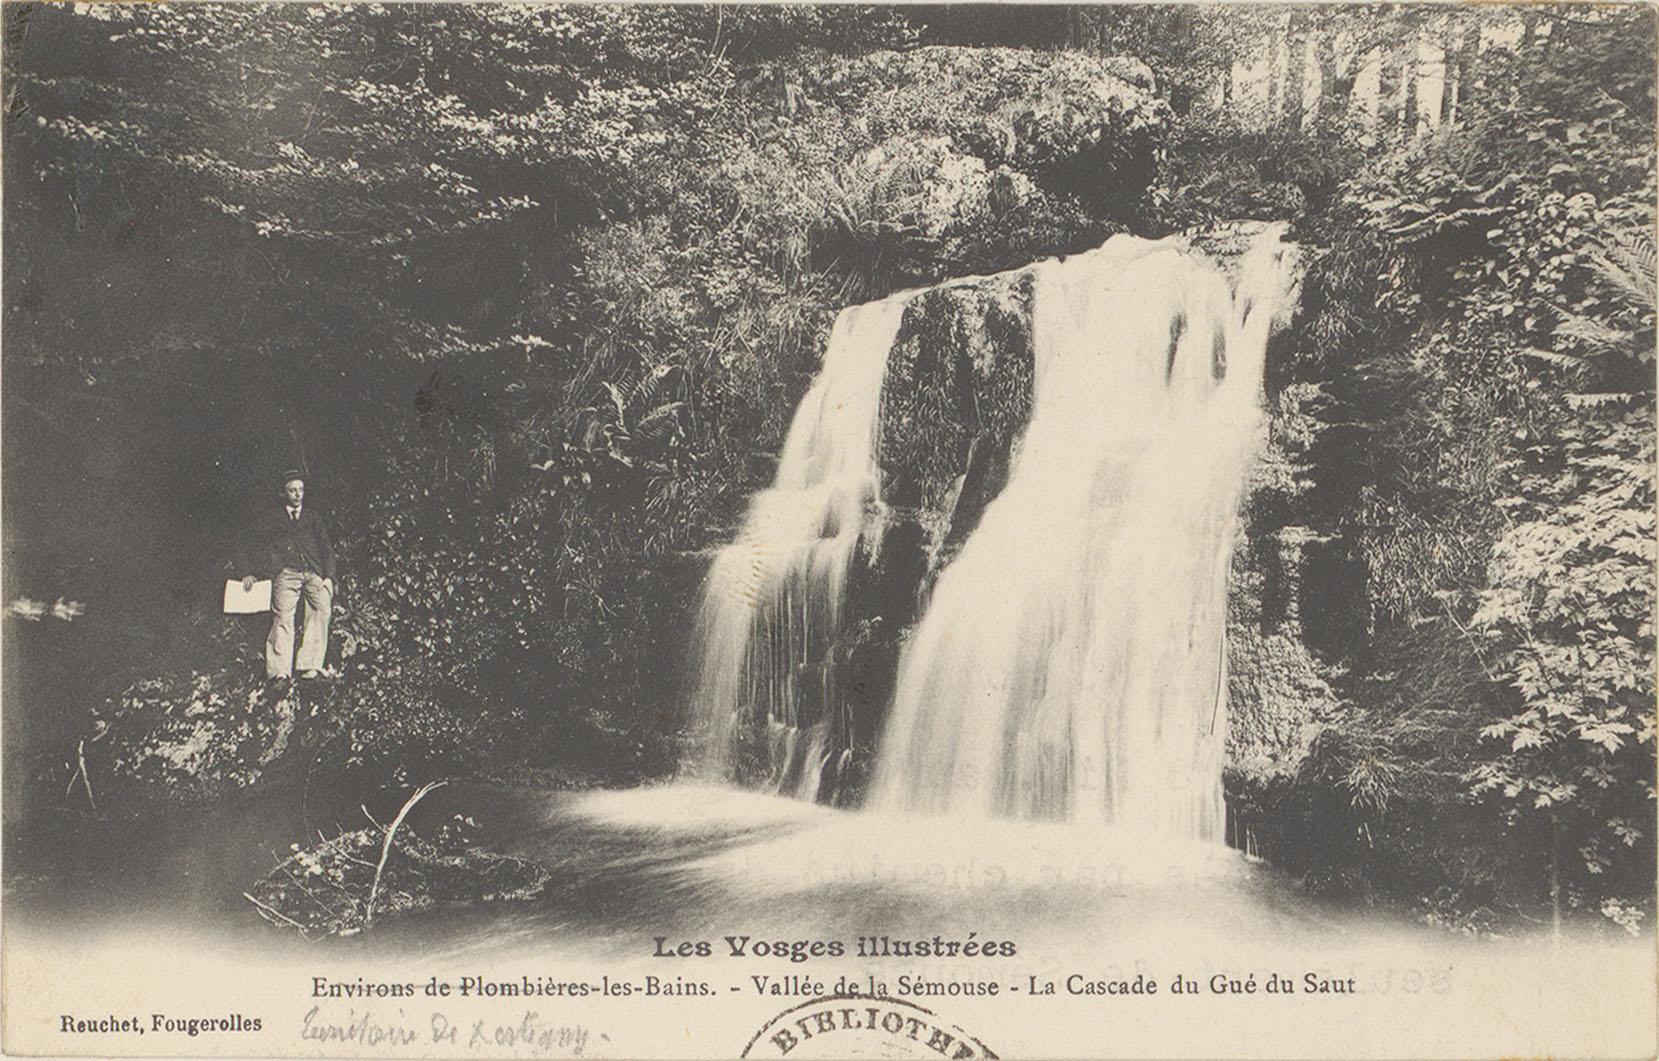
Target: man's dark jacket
{"x": 281, "y": 541}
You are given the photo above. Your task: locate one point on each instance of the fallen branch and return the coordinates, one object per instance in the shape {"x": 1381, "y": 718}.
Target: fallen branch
{"x": 386, "y": 848}
{"x": 80, "y": 757}
{"x": 273, "y": 912}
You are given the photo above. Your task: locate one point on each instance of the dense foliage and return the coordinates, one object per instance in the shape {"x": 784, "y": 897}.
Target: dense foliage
{"x": 1479, "y": 333}
{"x": 532, "y": 290}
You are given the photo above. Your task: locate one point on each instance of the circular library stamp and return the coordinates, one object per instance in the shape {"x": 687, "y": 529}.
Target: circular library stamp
{"x": 862, "y": 1027}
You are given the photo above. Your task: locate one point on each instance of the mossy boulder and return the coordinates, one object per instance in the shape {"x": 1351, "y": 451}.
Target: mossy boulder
{"x": 903, "y": 167}
{"x": 1036, "y": 111}
{"x": 197, "y": 737}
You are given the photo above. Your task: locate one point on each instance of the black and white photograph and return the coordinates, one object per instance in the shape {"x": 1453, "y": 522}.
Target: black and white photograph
{"x": 828, "y": 530}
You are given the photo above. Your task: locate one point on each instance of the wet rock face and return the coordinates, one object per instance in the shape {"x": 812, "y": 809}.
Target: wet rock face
{"x": 956, "y": 396}
{"x": 1278, "y": 692}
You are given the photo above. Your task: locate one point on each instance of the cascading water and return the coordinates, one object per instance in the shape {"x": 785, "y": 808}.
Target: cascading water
{"x": 772, "y": 605}
{"x": 1071, "y": 661}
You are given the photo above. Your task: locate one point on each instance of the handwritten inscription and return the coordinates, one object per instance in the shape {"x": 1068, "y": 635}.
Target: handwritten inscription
{"x": 369, "y": 1027}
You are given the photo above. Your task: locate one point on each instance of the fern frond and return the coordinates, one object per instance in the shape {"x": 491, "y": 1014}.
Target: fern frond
{"x": 660, "y": 423}
{"x": 618, "y": 402}
{"x": 1593, "y": 333}
{"x": 1597, "y": 401}
{"x": 1630, "y": 263}
{"x": 1552, "y": 357}
{"x": 1636, "y": 251}
{"x": 648, "y": 391}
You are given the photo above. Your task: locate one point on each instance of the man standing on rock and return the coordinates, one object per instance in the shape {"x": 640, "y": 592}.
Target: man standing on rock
{"x": 292, "y": 545}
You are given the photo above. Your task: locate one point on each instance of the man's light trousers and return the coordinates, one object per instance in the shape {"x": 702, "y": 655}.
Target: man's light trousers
{"x": 286, "y": 589}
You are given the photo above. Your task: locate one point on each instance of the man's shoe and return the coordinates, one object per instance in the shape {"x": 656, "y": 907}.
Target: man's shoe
{"x": 310, "y": 675}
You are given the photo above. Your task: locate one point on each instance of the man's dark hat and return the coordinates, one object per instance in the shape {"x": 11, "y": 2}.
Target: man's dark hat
{"x": 290, "y": 475}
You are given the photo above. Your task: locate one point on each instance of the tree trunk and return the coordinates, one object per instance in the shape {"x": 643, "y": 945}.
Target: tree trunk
{"x": 1462, "y": 68}
{"x": 1296, "y": 70}
{"x": 1450, "y": 80}
{"x": 1388, "y": 95}
{"x": 1469, "y": 67}
{"x": 1555, "y": 880}
{"x": 1333, "y": 90}
{"x": 1274, "y": 80}
{"x": 1408, "y": 72}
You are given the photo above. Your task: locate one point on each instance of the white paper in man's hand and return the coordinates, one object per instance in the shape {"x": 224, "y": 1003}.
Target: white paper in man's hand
{"x": 239, "y": 601}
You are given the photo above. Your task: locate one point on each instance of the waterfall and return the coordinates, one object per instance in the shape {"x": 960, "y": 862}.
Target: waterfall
{"x": 1071, "y": 661}
{"x": 772, "y": 604}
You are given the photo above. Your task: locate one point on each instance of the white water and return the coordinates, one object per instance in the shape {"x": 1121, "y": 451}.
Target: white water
{"x": 1071, "y": 662}
{"x": 772, "y": 605}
